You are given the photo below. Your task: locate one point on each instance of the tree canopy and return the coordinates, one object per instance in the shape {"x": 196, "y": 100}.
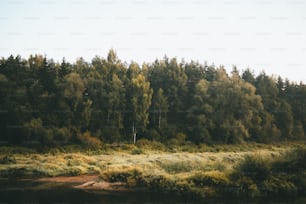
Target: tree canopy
{"x": 56, "y": 103}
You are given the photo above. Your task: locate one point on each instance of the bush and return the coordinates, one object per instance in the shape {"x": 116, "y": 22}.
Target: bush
{"x": 154, "y": 134}
{"x": 36, "y": 132}
{"x": 110, "y": 135}
{"x": 242, "y": 187}
{"x": 137, "y": 151}
{"x": 8, "y": 159}
{"x": 61, "y": 135}
{"x": 275, "y": 186}
{"x": 212, "y": 178}
{"x": 17, "y": 150}
{"x": 147, "y": 144}
{"x": 89, "y": 141}
{"x": 127, "y": 147}
{"x": 189, "y": 147}
{"x": 122, "y": 175}
{"x": 159, "y": 182}
{"x": 179, "y": 139}
{"x": 299, "y": 181}
{"x": 293, "y": 162}
{"x": 253, "y": 167}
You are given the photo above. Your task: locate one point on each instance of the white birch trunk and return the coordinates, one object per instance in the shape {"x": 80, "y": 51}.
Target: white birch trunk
{"x": 134, "y": 133}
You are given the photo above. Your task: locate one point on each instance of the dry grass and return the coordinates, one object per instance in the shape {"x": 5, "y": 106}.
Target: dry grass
{"x": 202, "y": 173}
{"x": 166, "y": 163}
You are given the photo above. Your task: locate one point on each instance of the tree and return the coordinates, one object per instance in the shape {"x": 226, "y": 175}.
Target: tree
{"x": 235, "y": 105}
{"x": 37, "y": 134}
{"x": 84, "y": 102}
{"x": 73, "y": 88}
{"x": 47, "y": 75}
{"x": 199, "y": 115}
{"x": 73, "y": 93}
{"x": 160, "y": 107}
{"x": 284, "y": 120}
{"x": 64, "y": 69}
{"x": 248, "y": 76}
{"x": 141, "y": 95}
{"x": 170, "y": 76}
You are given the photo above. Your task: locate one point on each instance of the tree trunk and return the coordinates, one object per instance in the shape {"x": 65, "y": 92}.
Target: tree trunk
{"x": 134, "y": 133}
{"x": 159, "y": 119}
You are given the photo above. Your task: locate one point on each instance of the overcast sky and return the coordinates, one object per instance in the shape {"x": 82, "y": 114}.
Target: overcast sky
{"x": 265, "y": 35}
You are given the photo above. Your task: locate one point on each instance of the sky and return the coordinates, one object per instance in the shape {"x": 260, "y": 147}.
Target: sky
{"x": 267, "y": 35}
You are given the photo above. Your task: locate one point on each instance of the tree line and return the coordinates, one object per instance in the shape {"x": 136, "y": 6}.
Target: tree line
{"x": 49, "y": 103}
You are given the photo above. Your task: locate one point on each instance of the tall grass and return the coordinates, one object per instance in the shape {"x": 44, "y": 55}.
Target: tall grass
{"x": 174, "y": 167}
{"x": 282, "y": 176}
{"x": 261, "y": 171}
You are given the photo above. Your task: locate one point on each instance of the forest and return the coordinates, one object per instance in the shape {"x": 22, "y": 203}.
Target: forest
{"x": 48, "y": 103}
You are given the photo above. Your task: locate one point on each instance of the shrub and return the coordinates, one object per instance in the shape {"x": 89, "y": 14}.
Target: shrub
{"x": 299, "y": 181}
{"x": 179, "y": 139}
{"x": 159, "y": 182}
{"x": 89, "y": 141}
{"x": 71, "y": 148}
{"x": 293, "y": 162}
{"x": 16, "y": 150}
{"x": 275, "y": 186}
{"x": 253, "y": 167}
{"x": 111, "y": 135}
{"x": 212, "y": 178}
{"x": 137, "y": 151}
{"x": 189, "y": 147}
{"x": 127, "y": 147}
{"x": 35, "y": 131}
{"x": 8, "y": 159}
{"x": 154, "y": 134}
{"x": 122, "y": 175}
{"x": 243, "y": 186}
{"x": 74, "y": 171}
{"x": 19, "y": 171}
{"x": 147, "y": 144}
{"x": 61, "y": 135}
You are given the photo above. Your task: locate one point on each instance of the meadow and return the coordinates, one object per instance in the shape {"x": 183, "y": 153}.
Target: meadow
{"x": 248, "y": 170}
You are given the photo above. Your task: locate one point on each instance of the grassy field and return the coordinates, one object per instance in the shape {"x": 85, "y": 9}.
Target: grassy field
{"x": 245, "y": 170}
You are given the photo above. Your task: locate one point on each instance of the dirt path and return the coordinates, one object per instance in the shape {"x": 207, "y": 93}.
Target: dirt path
{"x": 70, "y": 179}
{"x": 86, "y": 182}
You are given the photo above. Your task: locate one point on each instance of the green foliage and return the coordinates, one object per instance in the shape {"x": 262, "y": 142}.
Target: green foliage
{"x": 122, "y": 175}
{"x": 212, "y": 178}
{"x": 292, "y": 162}
{"x": 16, "y": 150}
{"x": 278, "y": 186}
{"x": 243, "y": 187}
{"x": 46, "y": 104}
{"x": 188, "y": 174}
{"x": 37, "y": 132}
{"x": 157, "y": 182}
{"x": 74, "y": 171}
{"x": 253, "y": 167}
{"x": 89, "y": 141}
{"x": 283, "y": 176}
{"x": 150, "y": 145}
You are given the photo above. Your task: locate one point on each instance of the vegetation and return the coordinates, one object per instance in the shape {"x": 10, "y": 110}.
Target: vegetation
{"x": 50, "y": 104}
{"x": 252, "y": 171}
{"x": 254, "y": 175}
{"x": 185, "y": 128}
